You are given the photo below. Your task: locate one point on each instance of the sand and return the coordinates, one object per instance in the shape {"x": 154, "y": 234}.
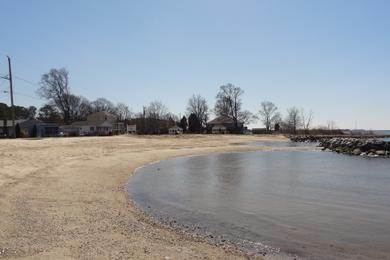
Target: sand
{"x": 64, "y": 198}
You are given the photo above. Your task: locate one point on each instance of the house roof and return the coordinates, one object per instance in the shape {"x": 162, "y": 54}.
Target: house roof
{"x": 222, "y": 120}
{"x": 102, "y": 113}
{"x": 99, "y": 115}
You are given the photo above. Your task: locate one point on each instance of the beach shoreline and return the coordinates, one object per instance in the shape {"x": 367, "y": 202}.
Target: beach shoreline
{"x": 65, "y": 198}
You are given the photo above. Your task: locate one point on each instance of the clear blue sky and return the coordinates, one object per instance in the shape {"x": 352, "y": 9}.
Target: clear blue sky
{"x": 331, "y": 56}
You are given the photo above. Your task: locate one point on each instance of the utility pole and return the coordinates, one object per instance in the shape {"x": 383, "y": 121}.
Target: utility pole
{"x": 9, "y": 78}
{"x": 12, "y": 97}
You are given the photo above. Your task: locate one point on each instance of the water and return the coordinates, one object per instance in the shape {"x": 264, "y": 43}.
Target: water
{"x": 382, "y": 132}
{"x": 316, "y": 205}
{"x": 283, "y": 143}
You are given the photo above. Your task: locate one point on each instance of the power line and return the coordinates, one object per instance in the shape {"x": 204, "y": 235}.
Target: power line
{"x": 27, "y": 81}
{"x": 24, "y": 95}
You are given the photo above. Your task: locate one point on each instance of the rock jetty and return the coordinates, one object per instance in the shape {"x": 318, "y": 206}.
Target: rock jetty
{"x": 357, "y": 146}
{"x": 307, "y": 138}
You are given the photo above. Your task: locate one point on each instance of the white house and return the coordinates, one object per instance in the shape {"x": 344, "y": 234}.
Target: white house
{"x": 175, "y": 130}
{"x": 219, "y": 129}
{"x": 99, "y": 123}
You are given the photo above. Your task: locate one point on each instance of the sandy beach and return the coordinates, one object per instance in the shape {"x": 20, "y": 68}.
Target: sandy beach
{"x": 64, "y": 198}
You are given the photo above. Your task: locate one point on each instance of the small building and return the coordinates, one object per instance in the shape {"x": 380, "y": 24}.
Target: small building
{"x": 131, "y": 129}
{"x": 37, "y": 128}
{"x": 29, "y": 128}
{"x": 175, "y": 130}
{"x": 224, "y": 125}
{"x": 6, "y": 129}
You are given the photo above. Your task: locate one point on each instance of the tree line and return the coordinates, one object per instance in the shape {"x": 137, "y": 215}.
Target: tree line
{"x": 64, "y": 107}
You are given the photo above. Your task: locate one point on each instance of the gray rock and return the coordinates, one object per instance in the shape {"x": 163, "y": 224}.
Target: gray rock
{"x": 357, "y": 151}
{"x": 381, "y": 152}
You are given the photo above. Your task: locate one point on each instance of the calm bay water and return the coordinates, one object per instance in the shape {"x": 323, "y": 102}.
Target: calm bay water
{"x": 316, "y": 205}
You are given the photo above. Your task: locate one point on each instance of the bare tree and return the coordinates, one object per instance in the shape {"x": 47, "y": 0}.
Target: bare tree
{"x": 155, "y": 119}
{"x": 245, "y": 116}
{"x": 293, "y": 120}
{"x": 331, "y": 125}
{"x": 156, "y": 110}
{"x": 55, "y": 88}
{"x": 229, "y": 103}
{"x": 306, "y": 119}
{"x": 123, "y": 112}
{"x": 198, "y": 105}
{"x": 268, "y": 114}
{"x": 80, "y": 107}
{"x": 102, "y": 104}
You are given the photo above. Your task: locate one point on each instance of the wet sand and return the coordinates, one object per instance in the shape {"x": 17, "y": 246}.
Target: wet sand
{"x": 64, "y": 198}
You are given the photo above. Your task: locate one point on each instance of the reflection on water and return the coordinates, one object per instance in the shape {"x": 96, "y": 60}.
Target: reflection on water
{"x": 312, "y": 204}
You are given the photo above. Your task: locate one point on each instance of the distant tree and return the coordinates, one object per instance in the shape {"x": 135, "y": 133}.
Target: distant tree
{"x": 4, "y": 111}
{"x": 293, "y": 120}
{"x": 49, "y": 113}
{"x": 155, "y": 119}
{"x": 194, "y": 125}
{"x": 229, "y": 104}
{"x": 84, "y": 108}
{"x": 102, "y": 104}
{"x": 245, "y": 116}
{"x": 174, "y": 118}
{"x": 55, "y": 88}
{"x": 277, "y": 127}
{"x": 32, "y": 112}
{"x": 268, "y": 114}
{"x": 184, "y": 124}
{"x": 20, "y": 112}
{"x": 331, "y": 125}
{"x": 198, "y": 105}
{"x": 17, "y": 131}
{"x": 157, "y": 110}
{"x": 306, "y": 120}
{"x": 80, "y": 108}
{"x": 123, "y": 112}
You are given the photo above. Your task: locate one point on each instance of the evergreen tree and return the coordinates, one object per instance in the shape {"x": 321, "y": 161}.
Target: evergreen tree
{"x": 277, "y": 127}
{"x": 184, "y": 124}
{"x": 194, "y": 124}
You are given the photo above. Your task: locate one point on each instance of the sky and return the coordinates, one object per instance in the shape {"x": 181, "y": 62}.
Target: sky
{"x": 328, "y": 56}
